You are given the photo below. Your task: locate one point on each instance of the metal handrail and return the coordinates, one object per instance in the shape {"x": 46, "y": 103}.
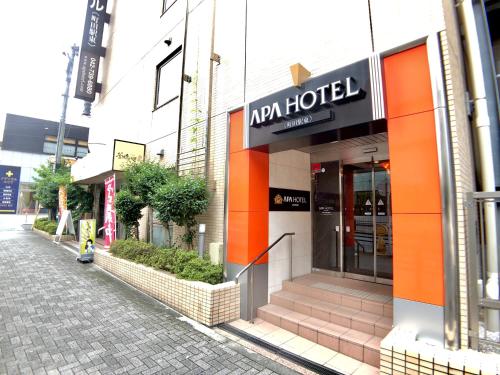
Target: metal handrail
{"x": 261, "y": 255}
{"x": 252, "y": 264}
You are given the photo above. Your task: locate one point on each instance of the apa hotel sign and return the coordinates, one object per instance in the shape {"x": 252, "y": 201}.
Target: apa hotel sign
{"x": 344, "y": 97}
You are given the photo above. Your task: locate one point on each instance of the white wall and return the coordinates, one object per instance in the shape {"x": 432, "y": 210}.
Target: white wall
{"x": 28, "y": 162}
{"x": 290, "y": 170}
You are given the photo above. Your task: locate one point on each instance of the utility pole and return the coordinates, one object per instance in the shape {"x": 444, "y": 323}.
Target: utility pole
{"x": 62, "y": 121}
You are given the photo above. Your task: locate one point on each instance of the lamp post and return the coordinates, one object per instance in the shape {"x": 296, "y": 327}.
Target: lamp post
{"x": 62, "y": 121}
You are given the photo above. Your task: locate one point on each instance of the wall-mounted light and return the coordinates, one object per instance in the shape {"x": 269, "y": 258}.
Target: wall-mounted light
{"x": 168, "y": 41}
{"x": 187, "y": 78}
{"x": 161, "y": 153}
{"x": 215, "y": 57}
{"x": 87, "y": 107}
{"x": 299, "y": 74}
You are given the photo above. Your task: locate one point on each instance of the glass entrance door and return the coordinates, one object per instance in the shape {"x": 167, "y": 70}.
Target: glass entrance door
{"x": 367, "y": 220}
{"x": 326, "y": 216}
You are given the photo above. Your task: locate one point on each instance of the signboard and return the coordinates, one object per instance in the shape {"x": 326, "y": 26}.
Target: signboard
{"x": 64, "y": 221}
{"x": 289, "y": 200}
{"x": 91, "y": 50}
{"x": 109, "y": 212}
{"x": 9, "y": 188}
{"x": 125, "y": 152}
{"x": 87, "y": 239}
{"x": 344, "y": 97}
{"x": 86, "y": 79}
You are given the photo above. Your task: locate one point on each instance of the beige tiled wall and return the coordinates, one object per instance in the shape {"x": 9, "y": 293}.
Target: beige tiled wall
{"x": 401, "y": 354}
{"x": 461, "y": 138}
{"x": 205, "y": 303}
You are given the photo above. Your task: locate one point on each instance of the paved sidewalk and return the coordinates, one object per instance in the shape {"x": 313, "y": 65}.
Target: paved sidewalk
{"x": 60, "y": 316}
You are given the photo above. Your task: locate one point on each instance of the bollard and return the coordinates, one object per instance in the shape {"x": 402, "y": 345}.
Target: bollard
{"x": 201, "y": 240}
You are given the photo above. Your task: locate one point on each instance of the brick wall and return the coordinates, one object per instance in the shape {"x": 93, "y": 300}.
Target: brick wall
{"x": 205, "y": 303}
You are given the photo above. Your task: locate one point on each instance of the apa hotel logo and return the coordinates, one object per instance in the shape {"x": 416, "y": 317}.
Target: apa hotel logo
{"x": 278, "y": 199}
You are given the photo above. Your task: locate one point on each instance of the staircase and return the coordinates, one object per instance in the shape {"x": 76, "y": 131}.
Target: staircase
{"x": 347, "y": 316}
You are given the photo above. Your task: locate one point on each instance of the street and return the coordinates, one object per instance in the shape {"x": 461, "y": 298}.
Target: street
{"x": 60, "y": 316}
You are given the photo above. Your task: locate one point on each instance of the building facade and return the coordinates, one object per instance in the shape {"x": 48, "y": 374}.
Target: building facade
{"x": 30, "y": 142}
{"x": 367, "y": 159}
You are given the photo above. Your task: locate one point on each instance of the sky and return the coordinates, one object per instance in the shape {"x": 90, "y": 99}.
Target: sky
{"x": 33, "y": 36}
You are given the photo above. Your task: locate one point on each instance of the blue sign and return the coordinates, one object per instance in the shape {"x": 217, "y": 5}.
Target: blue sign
{"x": 9, "y": 188}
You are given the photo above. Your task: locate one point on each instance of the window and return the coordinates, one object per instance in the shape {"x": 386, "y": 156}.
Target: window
{"x": 81, "y": 151}
{"x": 69, "y": 147}
{"x": 166, "y": 5}
{"x": 168, "y": 78}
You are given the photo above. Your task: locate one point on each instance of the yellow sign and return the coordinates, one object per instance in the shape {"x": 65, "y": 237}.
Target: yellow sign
{"x": 126, "y": 152}
{"x": 87, "y": 237}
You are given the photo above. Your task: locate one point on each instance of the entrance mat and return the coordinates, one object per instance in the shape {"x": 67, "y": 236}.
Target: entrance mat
{"x": 352, "y": 292}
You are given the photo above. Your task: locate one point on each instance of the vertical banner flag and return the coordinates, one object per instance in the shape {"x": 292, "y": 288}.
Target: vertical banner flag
{"x": 87, "y": 239}
{"x": 9, "y": 188}
{"x": 109, "y": 211}
{"x": 63, "y": 200}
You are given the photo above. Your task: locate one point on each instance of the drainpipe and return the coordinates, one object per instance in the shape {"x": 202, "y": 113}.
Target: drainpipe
{"x": 210, "y": 85}
{"x": 480, "y": 74}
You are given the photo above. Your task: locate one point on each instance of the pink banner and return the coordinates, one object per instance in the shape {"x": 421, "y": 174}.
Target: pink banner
{"x": 109, "y": 212}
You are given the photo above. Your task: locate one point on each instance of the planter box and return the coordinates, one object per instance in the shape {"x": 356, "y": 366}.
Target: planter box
{"x": 205, "y": 303}
{"x": 51, "y": 237}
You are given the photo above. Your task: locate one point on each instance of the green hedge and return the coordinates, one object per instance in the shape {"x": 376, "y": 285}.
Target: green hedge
{"x": 185, "y": 264}
{"x": 45, "y": 225}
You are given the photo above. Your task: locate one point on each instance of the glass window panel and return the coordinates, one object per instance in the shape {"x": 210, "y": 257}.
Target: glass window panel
{"x": 68, "y": 150}
{"x": 169, "y": 80}
{"x": 81, "y": 151}
{"x": 49, "y": 147}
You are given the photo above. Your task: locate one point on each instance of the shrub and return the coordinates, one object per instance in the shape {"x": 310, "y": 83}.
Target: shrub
{"x": 132, "y": 249}
{"x": 185, "y": 264}
{"x": 181, "y": 200}
{"x": 182, "y": 257}
{"x": 51, "y": 227}
{"x": 45, "y": 225}
{"x": 162, "y": 259}
{"x": 202, "y": 270}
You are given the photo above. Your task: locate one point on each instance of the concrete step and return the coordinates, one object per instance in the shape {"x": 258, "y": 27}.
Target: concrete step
{"x": 356, "y": 344}
{"x": 345, "y": 295}
{"x": 348, "y": 317}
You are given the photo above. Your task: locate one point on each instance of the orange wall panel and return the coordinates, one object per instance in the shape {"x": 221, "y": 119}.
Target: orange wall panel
{"x": 239, "y": 181}
{"x": 259, "y": 238}
{"x": 259, "y": 181}
{"x": 236, "y": 131}
{"x": 414, "y": 164}
{"x": 418, "y": 258}
{"x": 415, "y": 186}
{"x": 237, "y": 237}
{"x": 248, "y": 198}
{"x": 407, "y": 82}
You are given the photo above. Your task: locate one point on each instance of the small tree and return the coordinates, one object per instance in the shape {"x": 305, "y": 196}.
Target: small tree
{"x": 145, "y": 177}
{"x": 180, "y": 201}
{"x": 79, "y": 201}
{"x": 47, "y": 184}
{"x": 128, "y": 211}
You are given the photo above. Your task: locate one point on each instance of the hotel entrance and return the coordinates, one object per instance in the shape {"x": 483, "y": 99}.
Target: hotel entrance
{"x": 351, "y": 217}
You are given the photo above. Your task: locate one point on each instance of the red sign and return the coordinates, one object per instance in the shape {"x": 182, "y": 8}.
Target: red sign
{"x": 316, "y": 167}
{"x": 109, "y": 212}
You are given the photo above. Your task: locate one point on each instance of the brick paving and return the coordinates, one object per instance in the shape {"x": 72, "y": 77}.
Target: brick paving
{"x": 58, "y": 316}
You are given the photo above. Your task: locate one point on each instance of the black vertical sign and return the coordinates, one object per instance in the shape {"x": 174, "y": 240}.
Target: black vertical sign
{"x": 91, "y": 50}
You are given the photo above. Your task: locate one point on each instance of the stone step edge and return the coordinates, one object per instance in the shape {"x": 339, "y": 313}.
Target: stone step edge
{"x": 380, "y": 330}
{"x": 345, "y": 299}
{"x": 363, "y": 353}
